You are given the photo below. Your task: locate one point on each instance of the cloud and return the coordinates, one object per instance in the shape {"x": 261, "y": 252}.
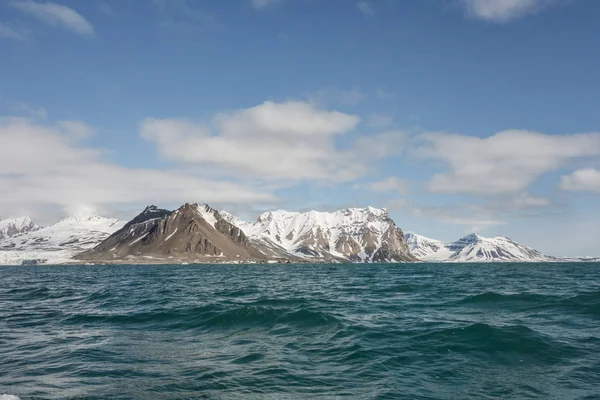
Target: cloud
{"x": 504, "y": 10}
{"x": 582, "y": 180}
{"x": 12, "y": 33}
{"x": 263, "y": 3}
{"x": 390, "y": 184}
{"x": 75, "y": 129}
{"x": 292, "y": 141}
{"x": 365, "y": 8}
{"x": 504, "y": 163}
{"x": 287, "y": 142}
{"x": 49, "y": 165}
{"x": 55, "y": 15}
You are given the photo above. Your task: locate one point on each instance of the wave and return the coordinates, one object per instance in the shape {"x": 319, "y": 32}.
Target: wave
{"x": 213, "y": 317}
{"x": 587, "y": 303}
{"x": 490, "y": 339}
{"x": 494, "y": 297}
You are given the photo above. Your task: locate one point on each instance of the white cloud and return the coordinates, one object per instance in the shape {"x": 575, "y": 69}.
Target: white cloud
{"x": 12, "y": 33}
{"x": 505, "y": 163}
{"x": 48, "y": 165}
{"x": 389, "y": 184}
{"x": 582, "y": 180}
{"x": 277, "y": 142}
{"x": 292, "y": 141}
{"x": 55, "y": 15}
{"x": 504, "y": 10}
{"x": 365, "y": 8}
{"x": 75, "y": 129}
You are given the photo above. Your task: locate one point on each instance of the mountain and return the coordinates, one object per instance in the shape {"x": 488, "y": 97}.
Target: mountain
{"x": 193, "y": 232}
{"x": 353, "y": 234}
{"x": 57, "y": 243}
{"x": 16, "y": 226}
{"x": 474, "y": 248}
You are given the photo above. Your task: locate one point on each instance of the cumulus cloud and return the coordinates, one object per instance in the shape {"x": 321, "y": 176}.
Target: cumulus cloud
{"x": 49, "y": 165}
{"x": 504, "y": 10}
{"x": 292, "y": 141}
{"x": 582, "y": 180}
{"x": 504, "y": 163}
{"x": 55, "y": 15}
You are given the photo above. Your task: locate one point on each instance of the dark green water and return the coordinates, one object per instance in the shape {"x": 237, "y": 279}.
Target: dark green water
{"x": 415, "y": 331}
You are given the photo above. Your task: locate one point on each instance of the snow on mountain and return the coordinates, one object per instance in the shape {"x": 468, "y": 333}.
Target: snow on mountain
{"x": 16, "y": 226}
{"x": 59, "y": 242}
{"x": 355, "y": 234}
{"x": 473, "y": 248}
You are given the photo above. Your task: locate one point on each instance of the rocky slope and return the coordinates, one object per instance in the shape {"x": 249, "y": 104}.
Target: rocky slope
{"x": 57, "y": 243}
{"x": 193, "y": 232}
{"x": 474, "y": 248}
{"x": 16, "y": 226}
{"x": 353, "y": 234}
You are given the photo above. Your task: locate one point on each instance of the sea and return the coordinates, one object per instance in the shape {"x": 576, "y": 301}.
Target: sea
{"x": 333, "y": 331}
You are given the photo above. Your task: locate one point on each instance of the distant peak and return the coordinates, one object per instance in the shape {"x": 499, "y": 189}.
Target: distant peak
{"x": 472, "y": 237}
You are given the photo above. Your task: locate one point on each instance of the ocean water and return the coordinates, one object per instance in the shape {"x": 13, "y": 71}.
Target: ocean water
{"x": 414, "y": 331}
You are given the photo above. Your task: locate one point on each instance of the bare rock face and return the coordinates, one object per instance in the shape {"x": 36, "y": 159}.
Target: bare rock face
{"x": 190, "y": 231}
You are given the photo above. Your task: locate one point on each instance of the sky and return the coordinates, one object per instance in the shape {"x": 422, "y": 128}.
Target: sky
{"x": 458, "y": 116}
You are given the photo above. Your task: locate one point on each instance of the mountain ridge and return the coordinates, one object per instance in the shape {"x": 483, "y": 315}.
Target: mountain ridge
{"x": 475, "y": 248}
{"x": 352, "y": 234}
{"x": 365, "y": 234}
{"x": 59, "y": 242}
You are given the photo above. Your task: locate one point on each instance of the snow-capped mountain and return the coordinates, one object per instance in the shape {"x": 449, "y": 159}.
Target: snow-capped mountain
{"x": 473, "y": 248}
{"x": 353, "y": 234}
{"x": 59, "y": 242}
{"x": 16, "y": 226}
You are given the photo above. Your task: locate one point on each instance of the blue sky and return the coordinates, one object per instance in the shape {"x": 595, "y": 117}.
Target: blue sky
{"x": 456, "y": 115}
